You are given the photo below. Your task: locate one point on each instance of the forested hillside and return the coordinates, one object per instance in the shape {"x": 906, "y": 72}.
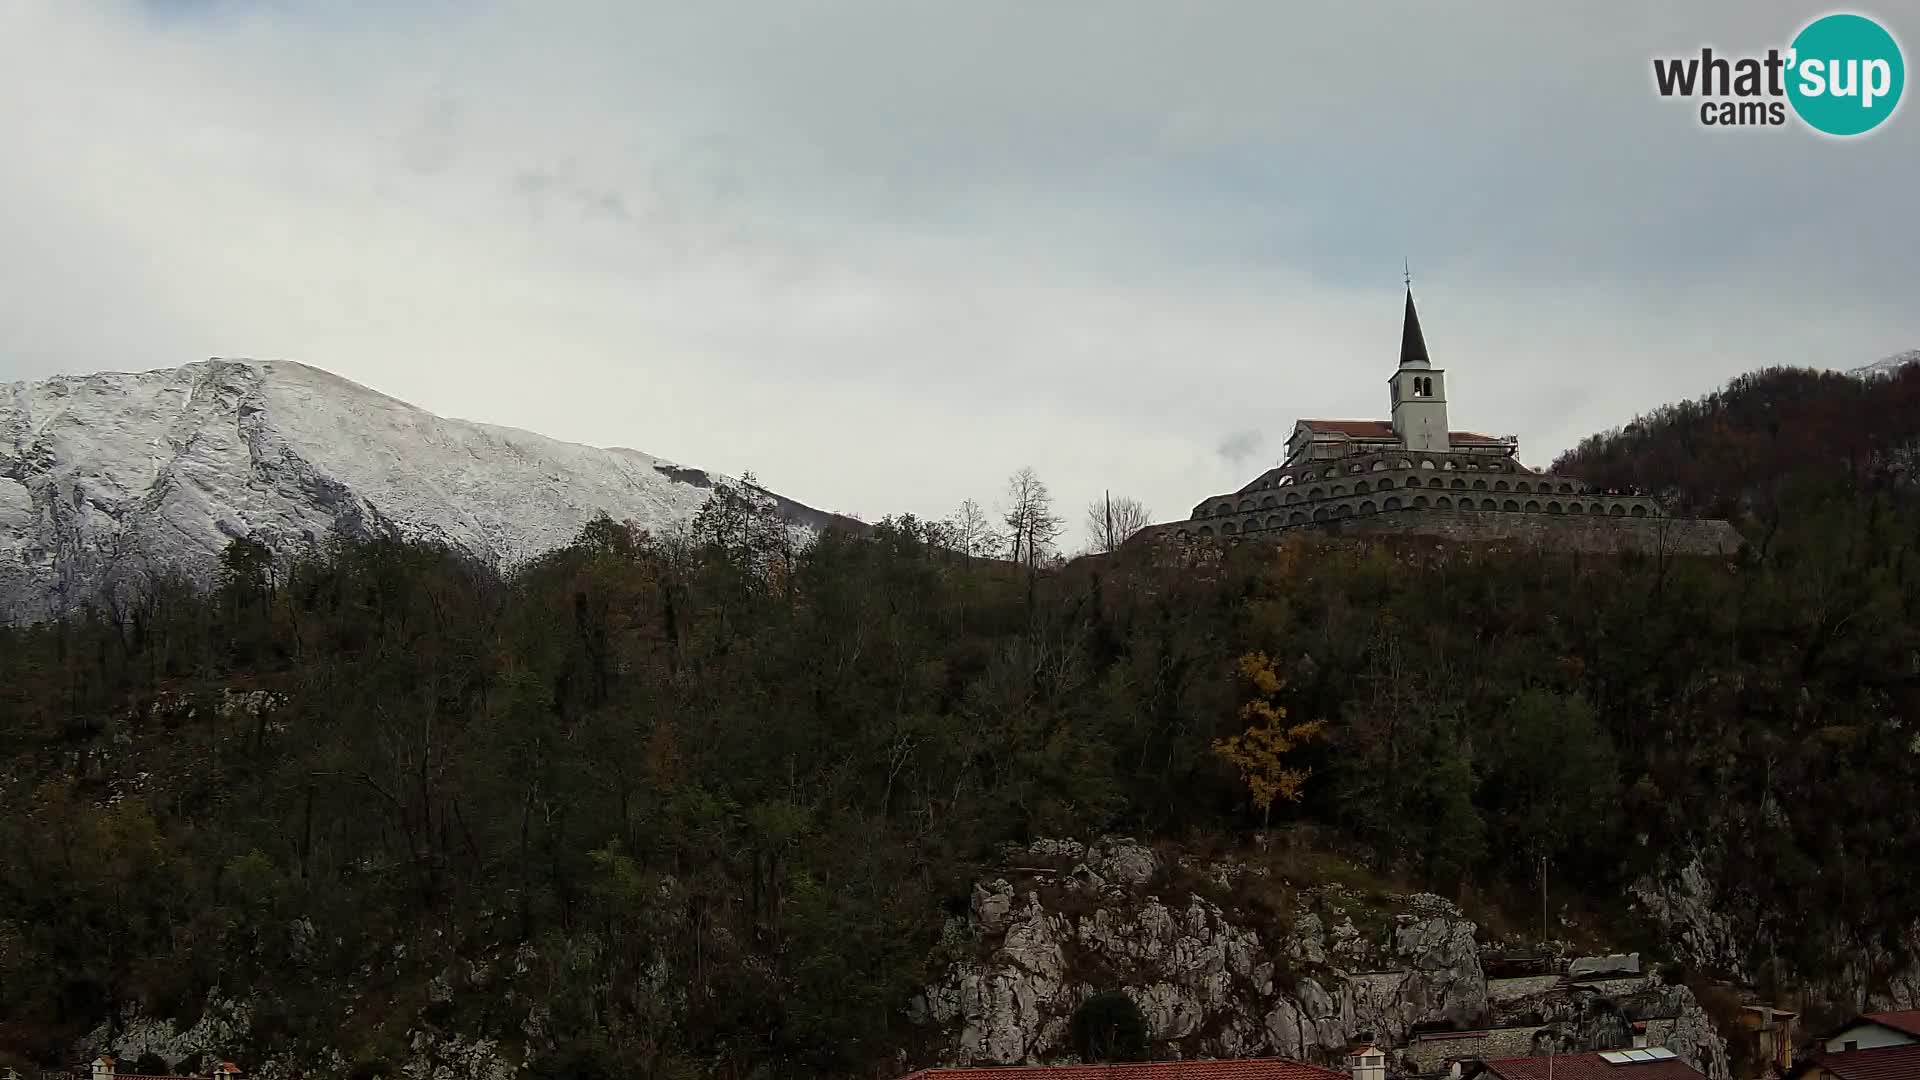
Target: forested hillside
{"x": 716, "y": 792}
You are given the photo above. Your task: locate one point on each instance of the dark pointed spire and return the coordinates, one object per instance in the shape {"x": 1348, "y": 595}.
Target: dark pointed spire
{"x": 1413, "y": 345}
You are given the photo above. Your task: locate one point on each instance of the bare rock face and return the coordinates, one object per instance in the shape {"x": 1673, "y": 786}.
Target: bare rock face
{"x": 456, "y": 1057}
{"x": 225, "y": 1029}
{"x": 1214, "y": 981}
{"x": 1124, "y": 862}
{"x": 1207, "y": 982}
{"x": 1701, "y": 929}
{"x": 1308, "y": 1021}
{"x": 1011, "y": 1006}
{"x": 223, "y": 1025}
{"x": 1711, "y": 928}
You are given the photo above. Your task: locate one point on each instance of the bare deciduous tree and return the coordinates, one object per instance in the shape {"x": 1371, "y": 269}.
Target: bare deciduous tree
{"x": 970, "y": 532}
{"x": 1112, "y": 520}
{"x": 1032, "y": 526}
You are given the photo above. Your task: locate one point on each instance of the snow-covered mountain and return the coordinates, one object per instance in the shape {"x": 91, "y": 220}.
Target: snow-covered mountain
{"x": 1889, "y": 365}
{"x": 107, "y": 477}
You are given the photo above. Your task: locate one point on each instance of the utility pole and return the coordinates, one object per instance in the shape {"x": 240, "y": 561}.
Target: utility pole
{"x": 1106, "y": 539}
{"x": 1544, "y": 936}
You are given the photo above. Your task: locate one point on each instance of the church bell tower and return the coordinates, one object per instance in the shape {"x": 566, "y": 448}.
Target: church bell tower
{"x": 1419, "y": 390}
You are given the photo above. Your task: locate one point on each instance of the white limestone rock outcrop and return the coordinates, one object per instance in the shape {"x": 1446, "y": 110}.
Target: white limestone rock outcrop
{"x": 1205, "y": 980}
{"x": 225, "y": 1031}
{"x": 1708, "y": 927}
{"x": 1216, "y": 980}
{"x": 222, "y": 1026}
{"x": 1700, "y": 926}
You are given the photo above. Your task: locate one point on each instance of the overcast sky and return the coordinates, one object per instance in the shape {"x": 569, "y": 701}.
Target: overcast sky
{"x": 884, "y": 252}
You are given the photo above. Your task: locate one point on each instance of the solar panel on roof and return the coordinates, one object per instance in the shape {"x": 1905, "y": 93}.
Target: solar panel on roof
{"x": 1637, "y": 1057}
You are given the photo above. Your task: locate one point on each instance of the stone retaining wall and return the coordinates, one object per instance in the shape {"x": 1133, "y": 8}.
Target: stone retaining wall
{"x": 1431, "y": 1053}
{"x": 1563, "y": 532}
{"x": 1507, "y": 991}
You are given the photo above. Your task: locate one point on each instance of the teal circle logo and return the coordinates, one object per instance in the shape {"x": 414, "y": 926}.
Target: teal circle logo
{"x": 1845, "y": 74}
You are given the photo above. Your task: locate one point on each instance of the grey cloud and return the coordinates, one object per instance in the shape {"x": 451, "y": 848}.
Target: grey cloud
{"x": 432, "y": 144}
{"x": 1240, "y": 446}
{"x": 542, "y": 189}
{"x": 895, "y": 251}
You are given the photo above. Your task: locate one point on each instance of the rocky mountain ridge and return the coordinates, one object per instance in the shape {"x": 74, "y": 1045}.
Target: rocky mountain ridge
{"x": 108, "y": 478}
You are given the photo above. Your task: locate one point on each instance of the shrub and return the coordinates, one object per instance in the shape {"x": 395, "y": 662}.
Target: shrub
{"x": 1109, "y": 1027}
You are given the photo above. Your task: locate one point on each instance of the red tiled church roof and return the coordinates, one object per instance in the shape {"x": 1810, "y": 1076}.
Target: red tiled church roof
{"x": 1383, "y": 429}
{"x": 1587, "y": 1067}
{"x": 1359, "y": 429}
{"x": 1883, "y": 1063}
{"x": 1248, "y": 1069}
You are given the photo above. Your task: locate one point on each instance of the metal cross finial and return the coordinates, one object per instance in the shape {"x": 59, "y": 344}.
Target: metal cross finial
{"x": 1409, "y": 273}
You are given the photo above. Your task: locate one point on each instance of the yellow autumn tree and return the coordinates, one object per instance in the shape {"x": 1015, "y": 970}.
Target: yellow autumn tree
{"x": 1260, "y": 752}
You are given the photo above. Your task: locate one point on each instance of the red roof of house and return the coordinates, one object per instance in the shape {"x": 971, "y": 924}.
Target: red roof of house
{"x": 1587, "y": 1067}
{"x": 1244, "y": 1069}
{"x": 1907, "y": 1021}
{"x": 1383, "y": 429}
{"x": 1884, "y": 1063}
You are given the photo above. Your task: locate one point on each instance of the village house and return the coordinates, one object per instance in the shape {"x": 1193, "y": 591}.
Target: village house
{"x": 1875, "y": 1030}
{"x": 1876, "y": 1046}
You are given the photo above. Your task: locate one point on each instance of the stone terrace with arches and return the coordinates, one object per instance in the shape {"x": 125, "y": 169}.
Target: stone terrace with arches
{"x": 1318, "y": 491}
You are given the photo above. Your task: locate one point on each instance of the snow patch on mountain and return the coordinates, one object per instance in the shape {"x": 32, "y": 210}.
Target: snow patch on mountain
{"x": 1888, "y": 366}
{"x": 111, "y": 477}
